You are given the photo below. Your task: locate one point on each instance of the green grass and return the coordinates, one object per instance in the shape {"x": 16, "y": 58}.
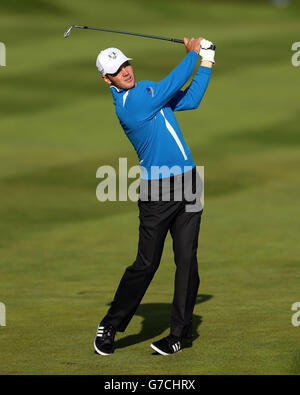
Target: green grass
{"x": 62, "y": 252}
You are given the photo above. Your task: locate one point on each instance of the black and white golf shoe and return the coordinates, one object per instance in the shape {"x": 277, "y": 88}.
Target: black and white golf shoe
{"x": 105, "y": 337}
{"x": 168, "y": 345}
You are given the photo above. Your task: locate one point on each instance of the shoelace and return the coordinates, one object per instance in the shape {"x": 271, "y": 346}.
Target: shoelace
{"x": 105, "y": 331}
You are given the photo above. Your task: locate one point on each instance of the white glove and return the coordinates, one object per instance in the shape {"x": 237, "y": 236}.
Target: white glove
{"x": 205, "y": 52}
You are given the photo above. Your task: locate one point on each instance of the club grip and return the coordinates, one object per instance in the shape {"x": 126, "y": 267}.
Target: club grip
{"x": 176, "y": 40}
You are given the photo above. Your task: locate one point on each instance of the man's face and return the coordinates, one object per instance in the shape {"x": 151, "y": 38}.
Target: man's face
{"x": 124, "y": 78}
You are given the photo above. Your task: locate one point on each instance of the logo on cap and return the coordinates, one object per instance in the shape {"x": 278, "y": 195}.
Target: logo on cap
{"x": 112, "y": 55}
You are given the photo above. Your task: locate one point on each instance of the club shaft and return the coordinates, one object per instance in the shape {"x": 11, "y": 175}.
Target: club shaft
{"x": 175, "y": 40}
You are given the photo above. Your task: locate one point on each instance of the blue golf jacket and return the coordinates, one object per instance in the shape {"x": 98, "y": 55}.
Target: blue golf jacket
{"x": 146, "y": 114}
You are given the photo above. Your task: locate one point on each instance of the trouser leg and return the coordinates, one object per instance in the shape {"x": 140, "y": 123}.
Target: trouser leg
{"x": 154, "y": 225}
{"x": 185, "y": 232}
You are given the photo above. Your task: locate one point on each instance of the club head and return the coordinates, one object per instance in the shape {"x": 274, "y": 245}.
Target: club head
{"x": 68, "y": 31}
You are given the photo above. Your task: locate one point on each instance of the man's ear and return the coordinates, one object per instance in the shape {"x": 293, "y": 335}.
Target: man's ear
{"x": 106, "y": 79}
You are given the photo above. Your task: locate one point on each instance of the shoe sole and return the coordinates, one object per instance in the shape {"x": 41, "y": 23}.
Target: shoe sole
{"x": 100, "y": 352}
{"x": 162, "y": 352}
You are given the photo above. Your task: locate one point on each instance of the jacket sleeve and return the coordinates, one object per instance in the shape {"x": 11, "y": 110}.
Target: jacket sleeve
{"x": 158, "y": 94}
{"x": 191, "y": 97}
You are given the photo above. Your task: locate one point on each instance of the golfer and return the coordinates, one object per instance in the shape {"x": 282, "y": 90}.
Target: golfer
{"x": 146, "y": 113}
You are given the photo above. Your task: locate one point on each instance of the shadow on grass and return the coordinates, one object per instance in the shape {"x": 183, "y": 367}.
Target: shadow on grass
{"x": 156, "y": 319}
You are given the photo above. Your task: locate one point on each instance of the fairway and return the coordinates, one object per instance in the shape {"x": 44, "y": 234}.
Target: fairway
{"x": 62, "y": 252}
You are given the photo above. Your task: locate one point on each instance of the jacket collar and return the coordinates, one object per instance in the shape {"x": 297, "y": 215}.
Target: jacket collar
{"x": 118, "y": 92}
{"x": 115, "y": 89}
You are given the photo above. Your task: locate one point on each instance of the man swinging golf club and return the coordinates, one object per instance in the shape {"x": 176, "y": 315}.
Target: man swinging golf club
{"x": 146, "y": 113}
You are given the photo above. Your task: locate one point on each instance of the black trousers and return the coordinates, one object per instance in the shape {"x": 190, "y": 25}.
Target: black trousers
{"x": 156, "y": 219}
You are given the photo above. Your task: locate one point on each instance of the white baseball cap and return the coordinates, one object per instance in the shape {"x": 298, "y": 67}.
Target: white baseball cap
{"x": 109, "y": 60}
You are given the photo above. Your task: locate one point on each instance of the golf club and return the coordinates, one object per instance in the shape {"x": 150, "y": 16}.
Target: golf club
{"x": 174, "y": 40}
